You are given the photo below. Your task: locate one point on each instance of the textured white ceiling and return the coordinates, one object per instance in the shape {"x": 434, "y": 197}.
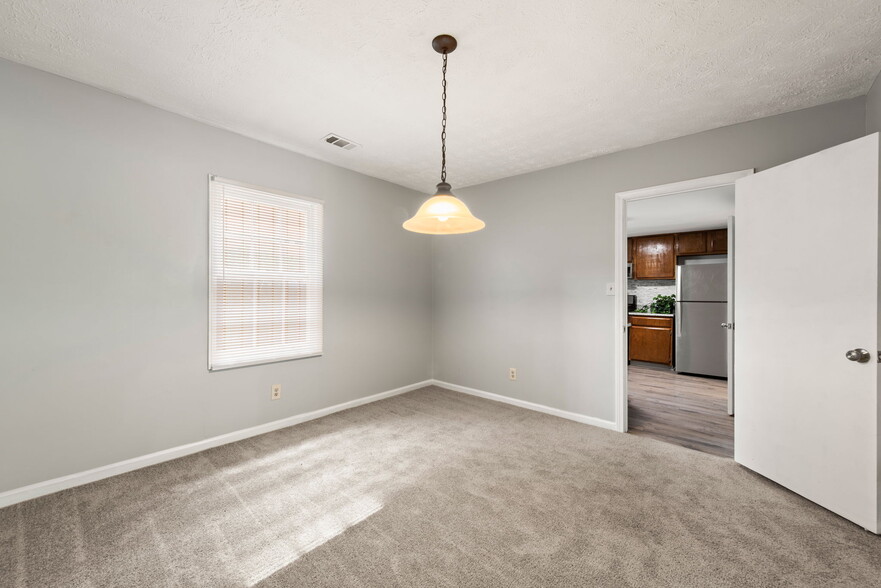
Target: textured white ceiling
{"x": 532, "y": 85}
{"x": 688, "y": 211}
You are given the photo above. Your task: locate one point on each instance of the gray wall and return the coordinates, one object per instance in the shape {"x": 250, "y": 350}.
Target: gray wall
{"x": 528, "y": 291}
{"x": 103, "y": 320}
{"x": 103, "y": 231}
{"x": 873, "y": 107}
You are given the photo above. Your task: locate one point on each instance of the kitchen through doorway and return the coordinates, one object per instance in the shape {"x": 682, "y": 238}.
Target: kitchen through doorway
{"x": 676, "y": 313}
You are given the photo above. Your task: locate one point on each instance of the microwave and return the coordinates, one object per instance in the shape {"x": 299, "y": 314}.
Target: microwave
{"x": 629, "y": 271}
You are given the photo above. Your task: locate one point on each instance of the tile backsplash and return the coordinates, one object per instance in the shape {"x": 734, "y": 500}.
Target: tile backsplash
{"x": 645, "y": 290}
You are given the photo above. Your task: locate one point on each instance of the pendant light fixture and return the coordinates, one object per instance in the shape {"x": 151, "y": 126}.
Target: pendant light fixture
{"x": 443, "y": 213}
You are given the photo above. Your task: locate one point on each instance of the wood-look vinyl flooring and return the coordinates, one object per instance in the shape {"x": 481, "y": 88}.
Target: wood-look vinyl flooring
{"x": 685, "y": 410}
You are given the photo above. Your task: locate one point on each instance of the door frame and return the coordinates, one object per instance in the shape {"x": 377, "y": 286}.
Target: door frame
{"x": 621, "y": 200}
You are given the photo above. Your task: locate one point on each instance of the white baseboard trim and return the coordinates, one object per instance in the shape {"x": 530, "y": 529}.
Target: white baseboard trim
{"x": 64, "y": 482}
{"x": 17, "y": 495}
{"x": 572, "y": 416}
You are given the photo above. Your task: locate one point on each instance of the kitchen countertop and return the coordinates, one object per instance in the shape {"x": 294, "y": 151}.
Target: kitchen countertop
{"x": 649, "y": 314}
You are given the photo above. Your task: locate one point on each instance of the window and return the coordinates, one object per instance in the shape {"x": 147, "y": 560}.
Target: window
{"x": 265, "y": 276}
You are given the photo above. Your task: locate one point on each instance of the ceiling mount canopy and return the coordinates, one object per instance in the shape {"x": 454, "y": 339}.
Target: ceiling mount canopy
{"x": 443, "y": 213}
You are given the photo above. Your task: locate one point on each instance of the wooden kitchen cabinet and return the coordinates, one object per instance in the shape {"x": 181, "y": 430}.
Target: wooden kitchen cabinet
{"x": 694, "y": 243}
{"x": 651, "y": 339}
{"x": 702, "y": 242}
{"x": 654, "y": 257}
{"x": 717, "y": 241}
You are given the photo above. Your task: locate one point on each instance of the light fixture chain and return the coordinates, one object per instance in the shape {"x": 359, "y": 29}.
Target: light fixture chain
{"x": 444, "y": 123}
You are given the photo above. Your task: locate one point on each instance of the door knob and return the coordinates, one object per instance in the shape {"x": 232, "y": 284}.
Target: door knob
{"x": 728, "y": 325}
{"x": 858, "y": 355}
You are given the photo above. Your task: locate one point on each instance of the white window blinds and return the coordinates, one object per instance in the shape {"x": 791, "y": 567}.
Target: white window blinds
{"x": 265, "y": 282}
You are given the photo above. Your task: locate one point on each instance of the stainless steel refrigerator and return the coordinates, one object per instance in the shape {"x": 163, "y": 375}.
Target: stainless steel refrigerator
{"x": 701, "y": 308}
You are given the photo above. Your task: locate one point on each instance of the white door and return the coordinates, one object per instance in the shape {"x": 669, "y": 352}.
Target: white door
{"x": 806, "y": 285}
{"x": 729, "y": 324}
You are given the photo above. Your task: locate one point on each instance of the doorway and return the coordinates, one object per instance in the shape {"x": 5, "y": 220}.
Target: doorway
{"x": 674, "y": 313}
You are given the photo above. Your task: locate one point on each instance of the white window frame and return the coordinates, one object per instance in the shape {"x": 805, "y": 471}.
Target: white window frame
{"x": 214, "y": 183}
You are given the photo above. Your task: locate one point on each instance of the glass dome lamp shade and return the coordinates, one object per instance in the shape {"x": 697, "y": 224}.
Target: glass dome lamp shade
{"x": 443, "y": 214}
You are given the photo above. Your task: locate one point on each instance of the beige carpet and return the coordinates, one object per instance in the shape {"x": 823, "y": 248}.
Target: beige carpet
{"x": 435, "y": 488}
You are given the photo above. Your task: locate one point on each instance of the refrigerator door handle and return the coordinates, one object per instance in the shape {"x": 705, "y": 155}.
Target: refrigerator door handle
{"x": 678, "y": 318}
{"x": 678, "y": 283}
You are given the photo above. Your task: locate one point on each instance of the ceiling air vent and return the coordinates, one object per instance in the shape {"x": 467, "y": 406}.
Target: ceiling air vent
{"x": 340, "y": 142}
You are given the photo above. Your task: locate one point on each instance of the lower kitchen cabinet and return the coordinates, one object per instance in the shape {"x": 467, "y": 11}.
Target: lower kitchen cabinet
{"x": 651, "y": 339}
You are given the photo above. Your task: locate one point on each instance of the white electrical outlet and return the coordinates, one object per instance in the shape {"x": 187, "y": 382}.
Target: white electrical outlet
{"x": 610, "y": 289}
{"x": 276, "y": 391}
{"x": 512, "y": 373}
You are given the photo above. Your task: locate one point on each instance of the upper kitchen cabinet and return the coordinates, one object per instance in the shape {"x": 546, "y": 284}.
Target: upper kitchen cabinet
{"x": 654, "y": 257}
{"x": 717, "y": 241}
{"x": 702, "y": 242}
{"x": 694, "y": 243}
